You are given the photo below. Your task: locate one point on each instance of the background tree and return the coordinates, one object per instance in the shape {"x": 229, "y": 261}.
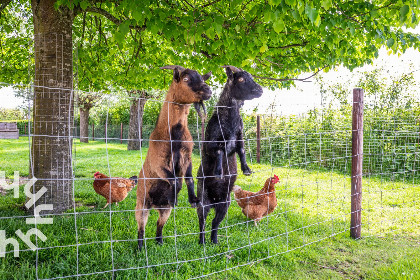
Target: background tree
{"x": 138, "y": 101}
{"x": 86, "y": 101}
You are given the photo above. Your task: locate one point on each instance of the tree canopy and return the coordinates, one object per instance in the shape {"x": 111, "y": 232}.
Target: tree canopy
{"x": 122, "y": 43}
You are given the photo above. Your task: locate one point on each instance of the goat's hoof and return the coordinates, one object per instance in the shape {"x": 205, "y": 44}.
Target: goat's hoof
{"x": 195, "y": 202}
{"x": 172, "y": 203}
{"x": 159, "y": 241}
{"x": 247, "y": 172}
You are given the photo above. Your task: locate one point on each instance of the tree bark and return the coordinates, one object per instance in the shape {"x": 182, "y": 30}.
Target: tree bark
{"x": 136, "y": 124}
{"x": 84, "y": 125}
{"x": 53, "y": 105}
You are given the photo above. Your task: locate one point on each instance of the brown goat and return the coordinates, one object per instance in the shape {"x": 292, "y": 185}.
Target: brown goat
{"x": 168, "y": 159}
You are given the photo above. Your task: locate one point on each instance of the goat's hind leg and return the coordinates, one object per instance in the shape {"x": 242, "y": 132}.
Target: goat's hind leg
{"x": 221, "y": 210}
{"x": 164, "y": 214}
{"x": 142, "y": 215}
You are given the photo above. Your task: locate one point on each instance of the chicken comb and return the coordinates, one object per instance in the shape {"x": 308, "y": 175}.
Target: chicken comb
{"x": 96, "y": 173}
{"x": 276, "y": 178}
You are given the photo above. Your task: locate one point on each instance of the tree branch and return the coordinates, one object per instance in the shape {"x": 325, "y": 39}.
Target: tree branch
{"x": 105, "y": 14}
{"x": 112, "y": 18}
{"x": 290, "y": 46}
{"x": 3, "y": 4}
{"x": 290, "y": 79}
{"x": 209, "y": 4}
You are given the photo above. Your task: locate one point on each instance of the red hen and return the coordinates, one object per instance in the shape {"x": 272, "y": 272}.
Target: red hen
{"x": 120, "y": 187}
{"x": 256, "y": 205}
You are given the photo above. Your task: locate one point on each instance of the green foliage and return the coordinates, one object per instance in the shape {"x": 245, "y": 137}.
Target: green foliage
{"x": 16, "y": 34}
{"x": 11, "y": 114}
{"x": 121, "y": 45}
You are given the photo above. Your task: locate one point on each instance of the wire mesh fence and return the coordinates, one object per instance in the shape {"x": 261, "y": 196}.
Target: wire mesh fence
{"x": 311, "y": 154}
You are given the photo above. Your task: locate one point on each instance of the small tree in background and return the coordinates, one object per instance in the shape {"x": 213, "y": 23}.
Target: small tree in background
{"x": 138, "y": 101}
{"x": 86, "y": 101}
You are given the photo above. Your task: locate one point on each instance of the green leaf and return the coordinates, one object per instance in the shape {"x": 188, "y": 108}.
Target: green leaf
{"x": 267, "y": 15}
{"x": 218, "y": 28}
{"x": 274, "y": 2}
{"x": 210, "y": 33}
{"x": 84, "y": 4}
{"x": 352, "y": 31}
{"x": 278, "y": 26}
{"x": 390, "y": 42}
{"x": 291, "y": 3}
{"x": 264, "y": 48}
{"x": 326, "y": 4}
{"x": 137, "y": 15}
{"x": 403, "y": 12}
{"x": 312, "y": 13}
{"x": 295, "y": 14}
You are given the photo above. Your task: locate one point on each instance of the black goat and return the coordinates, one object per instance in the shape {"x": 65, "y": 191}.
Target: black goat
{"x": 223, "y": 139}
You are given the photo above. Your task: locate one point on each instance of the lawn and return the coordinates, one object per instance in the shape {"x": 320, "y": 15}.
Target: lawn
{"x": 306, "y": 237}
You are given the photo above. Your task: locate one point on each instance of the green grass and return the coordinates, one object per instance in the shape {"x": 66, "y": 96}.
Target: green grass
{"x": 305, "y": 238}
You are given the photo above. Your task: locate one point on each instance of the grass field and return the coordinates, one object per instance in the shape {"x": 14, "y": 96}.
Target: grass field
{"x": 307, "y": 237}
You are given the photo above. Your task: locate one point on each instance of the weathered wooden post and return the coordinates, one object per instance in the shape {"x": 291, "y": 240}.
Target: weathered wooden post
{"x": 258, "y": 139}
{"x": 357, "y": 164}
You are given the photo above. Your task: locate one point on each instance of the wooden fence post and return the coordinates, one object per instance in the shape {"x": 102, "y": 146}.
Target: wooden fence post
{"x": 258, "y": 139}
{"x": 357, "y": 164}
{"x": 121, "y": 134}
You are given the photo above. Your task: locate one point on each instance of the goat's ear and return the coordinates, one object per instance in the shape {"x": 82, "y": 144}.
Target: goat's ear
{"x": 206, "y": 76}
{"x": 176, "y": 75}
{"x": 229, "y": 73}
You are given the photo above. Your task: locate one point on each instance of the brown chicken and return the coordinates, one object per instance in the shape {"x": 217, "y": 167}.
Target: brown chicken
{"x": 256, "y": 205}
{"x": 119, "y": 187}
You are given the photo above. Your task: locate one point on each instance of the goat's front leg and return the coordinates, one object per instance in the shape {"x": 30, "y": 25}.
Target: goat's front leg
{"x": 240, "y": 150}
{"x": 192, "y": 198}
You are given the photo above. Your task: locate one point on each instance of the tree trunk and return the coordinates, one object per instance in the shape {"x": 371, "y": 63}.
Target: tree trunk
{"x": 136, "y": 124}
{"x": 53, "y": 105}
{"x": 84, "y": 125}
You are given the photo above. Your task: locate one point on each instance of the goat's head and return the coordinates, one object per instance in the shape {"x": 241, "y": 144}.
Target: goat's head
{"x": 242, "y": 85}
{"x": 191, "y": 86}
